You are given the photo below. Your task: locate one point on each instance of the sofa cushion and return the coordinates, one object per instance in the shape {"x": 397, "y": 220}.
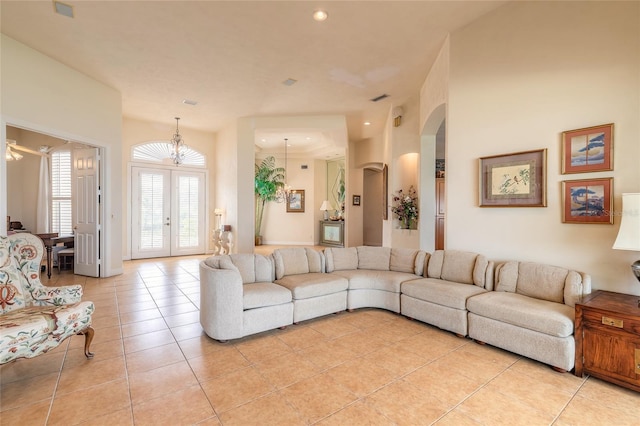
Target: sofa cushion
{"x": 246, "y": 264}
{"x": 316, "y": 260}
{"x": 221, "y": 262}
{"x": 574, "y": 288}
{"x": 304, "y": 286}
{"x": 541, "y": 281}
{"x": 290, "y": 261}
{"x": 507, "y": 277}
{"x": 341, "y": 259}
{"x": 441, "y": 292}
{"x": 462, "y": 267}
{"x": 375, "y": 280}
{"x": 554, "y": 319}
{"x": 407, "y": 260}
{"x": 259, "y": 295}
{"x": 374, "y": 258}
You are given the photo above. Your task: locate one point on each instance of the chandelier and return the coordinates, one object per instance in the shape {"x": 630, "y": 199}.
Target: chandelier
{"x": 284, "y": 191}
{"x": 178, "y": 147}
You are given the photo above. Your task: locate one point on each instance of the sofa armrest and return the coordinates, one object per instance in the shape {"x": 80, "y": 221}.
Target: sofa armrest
{"x": 221, "y": 309}
{"x": 56, "y": 296}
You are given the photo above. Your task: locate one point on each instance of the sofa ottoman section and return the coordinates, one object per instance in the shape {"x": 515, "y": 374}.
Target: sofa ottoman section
{"x": 451, "y": 278}
{"x": 301, "y": 271}
{"x": 238, "y": 297}
{"x": 375, "y": 274}
{"x": 531, "y": 312}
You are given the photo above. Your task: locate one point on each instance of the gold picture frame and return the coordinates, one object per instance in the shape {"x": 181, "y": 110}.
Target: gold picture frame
{"x": 295, "y": 202}
{"x": 514, "y": 180}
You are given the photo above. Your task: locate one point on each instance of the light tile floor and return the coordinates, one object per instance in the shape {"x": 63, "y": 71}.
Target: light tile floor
{"x": 154, "y": 365}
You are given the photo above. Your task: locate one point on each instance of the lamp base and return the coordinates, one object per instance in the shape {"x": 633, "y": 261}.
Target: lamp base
{"x": 635, "y": 267}
{"x": 326, "y": 216}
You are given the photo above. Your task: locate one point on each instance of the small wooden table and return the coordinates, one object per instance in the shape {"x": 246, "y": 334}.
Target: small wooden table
{"x": 50, "y": 240}
{"x": 607, "y": 333}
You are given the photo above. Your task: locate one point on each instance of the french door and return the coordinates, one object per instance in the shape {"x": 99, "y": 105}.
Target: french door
{"x": 168, "y": 213}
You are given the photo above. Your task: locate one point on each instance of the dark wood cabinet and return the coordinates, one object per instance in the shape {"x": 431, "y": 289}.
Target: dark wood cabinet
{"x": 607, "y": 333}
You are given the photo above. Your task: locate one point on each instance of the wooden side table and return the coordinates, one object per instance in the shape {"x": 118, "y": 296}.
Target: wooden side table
{"x": 607, "y": 333}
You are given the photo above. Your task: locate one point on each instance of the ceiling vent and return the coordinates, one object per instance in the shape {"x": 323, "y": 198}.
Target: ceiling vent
{"x": 290, "y": 82}
{"x": 379, "y": 98}
{"x": 63, "y": 9}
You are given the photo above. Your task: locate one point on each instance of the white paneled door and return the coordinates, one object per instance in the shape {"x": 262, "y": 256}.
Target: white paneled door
{"x": 167, "y": 213}
{"x": 86, "y": 217}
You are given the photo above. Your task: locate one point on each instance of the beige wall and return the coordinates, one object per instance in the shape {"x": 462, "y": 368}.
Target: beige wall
{"x": 135, "y": 132}
{"x": 519, "y": 77}
{"x": 282, "y": 227}
{"x": 45, "y": 96}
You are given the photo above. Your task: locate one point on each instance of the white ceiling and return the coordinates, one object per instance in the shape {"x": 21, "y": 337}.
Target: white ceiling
{"x": 233, "y": 56}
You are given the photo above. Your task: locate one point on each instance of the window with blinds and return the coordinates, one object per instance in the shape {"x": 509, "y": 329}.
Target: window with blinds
{"x": 151, "y": 211}
{"x": 188, "y": 211}
{"x": 61, "y": 209}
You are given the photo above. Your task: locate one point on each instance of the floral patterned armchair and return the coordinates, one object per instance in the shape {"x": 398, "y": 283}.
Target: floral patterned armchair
{"x": 33, "y": 317}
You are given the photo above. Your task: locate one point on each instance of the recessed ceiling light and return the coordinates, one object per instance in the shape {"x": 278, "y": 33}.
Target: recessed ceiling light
{"x": 367, "y": 123}
{"x": 189, "y": 102}
{"x": 63, "y": 9}
{"x": 320, "y": 15}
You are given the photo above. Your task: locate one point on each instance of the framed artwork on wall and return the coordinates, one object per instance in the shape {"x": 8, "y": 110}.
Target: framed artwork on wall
{"x": 587, "y": 150}
{"x": 295, "y": 203}
{"x": 587, "y": 201}
{"x": 514, "y": 180}
{"x": 356, "y": 200}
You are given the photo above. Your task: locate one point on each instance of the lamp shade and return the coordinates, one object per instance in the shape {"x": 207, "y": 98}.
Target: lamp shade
{"x": 629, "y": 233}
{"x": 325, "y": 205}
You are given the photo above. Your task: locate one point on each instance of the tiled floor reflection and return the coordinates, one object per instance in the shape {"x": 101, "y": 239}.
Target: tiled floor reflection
{"x": 153, "y": 365}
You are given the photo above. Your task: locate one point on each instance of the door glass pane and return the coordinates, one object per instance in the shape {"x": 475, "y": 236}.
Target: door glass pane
{"x": 151, "y": 210}
{"x": 188, "y": 211}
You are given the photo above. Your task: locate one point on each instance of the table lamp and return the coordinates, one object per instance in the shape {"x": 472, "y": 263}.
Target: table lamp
{"x": 629, "y": 233}
{"x": 326, "y": 206}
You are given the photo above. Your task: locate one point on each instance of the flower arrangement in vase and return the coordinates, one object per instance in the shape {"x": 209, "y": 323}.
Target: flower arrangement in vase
{"x": 405, "y": 206}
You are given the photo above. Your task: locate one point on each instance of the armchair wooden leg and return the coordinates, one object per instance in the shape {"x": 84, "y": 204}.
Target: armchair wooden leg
{"x": 88, "y": 337}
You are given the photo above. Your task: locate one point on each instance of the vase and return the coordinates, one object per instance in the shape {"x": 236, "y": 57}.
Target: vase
{"x": 406, "y": 223}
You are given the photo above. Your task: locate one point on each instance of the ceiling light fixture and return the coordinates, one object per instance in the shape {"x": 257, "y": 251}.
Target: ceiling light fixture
{"x": 11, "y": 155}
{"x": 366, "y": 123}
{"x": 320, "y": 15}
{"x": 178, "y": 147}
{"x": 284, "y": 192}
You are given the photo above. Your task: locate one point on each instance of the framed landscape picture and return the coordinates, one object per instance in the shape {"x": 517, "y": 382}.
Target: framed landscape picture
{"x": 587, "y": 150}
{"x": 514, "y": 180}
{"x": 295, "y": 204}
{"x": 587, "y": 201}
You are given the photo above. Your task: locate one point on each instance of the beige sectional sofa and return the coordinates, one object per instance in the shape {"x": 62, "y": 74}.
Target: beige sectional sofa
{"x": 528, "y": 311}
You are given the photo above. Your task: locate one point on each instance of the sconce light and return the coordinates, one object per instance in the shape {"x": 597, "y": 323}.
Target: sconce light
{"x": 397, "y": 116}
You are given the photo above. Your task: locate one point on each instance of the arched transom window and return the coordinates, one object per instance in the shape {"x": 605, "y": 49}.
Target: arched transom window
{"x": 160, "y": 152}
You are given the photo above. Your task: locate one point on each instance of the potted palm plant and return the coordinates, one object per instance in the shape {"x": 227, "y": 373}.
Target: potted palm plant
{"x": 268, "y": 179}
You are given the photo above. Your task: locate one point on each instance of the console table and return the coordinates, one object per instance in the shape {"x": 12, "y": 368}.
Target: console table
{"x": 607, "y": 333}
{"x": 50, "y": 240}
{"x": 332, "y": 233}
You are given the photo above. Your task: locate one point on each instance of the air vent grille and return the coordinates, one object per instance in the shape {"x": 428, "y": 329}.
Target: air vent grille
{"x": 379, "y": 98}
